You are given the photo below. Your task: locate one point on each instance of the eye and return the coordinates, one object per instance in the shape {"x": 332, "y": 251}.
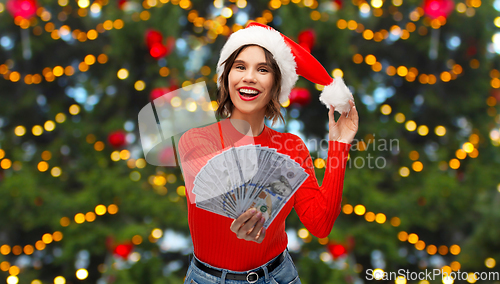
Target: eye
{"x": 241, "y": 67}
{"x": 263, "y": 70}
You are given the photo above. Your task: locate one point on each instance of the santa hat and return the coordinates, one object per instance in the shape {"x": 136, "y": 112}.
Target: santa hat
{"x": 293, "y": 60}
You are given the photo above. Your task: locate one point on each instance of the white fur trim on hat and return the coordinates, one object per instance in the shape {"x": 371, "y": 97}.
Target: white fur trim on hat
{"x": 338, "y": 95}
{"x": 274, "y": 43}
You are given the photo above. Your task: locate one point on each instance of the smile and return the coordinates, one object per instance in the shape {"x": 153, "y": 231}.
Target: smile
{"x": 248, "y": 94}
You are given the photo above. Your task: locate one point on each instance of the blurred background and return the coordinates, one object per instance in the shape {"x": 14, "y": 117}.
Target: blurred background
{"x": 79, "y": 204}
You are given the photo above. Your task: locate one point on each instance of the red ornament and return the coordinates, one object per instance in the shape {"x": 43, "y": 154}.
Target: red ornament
{"x": 307, "y": 39}
{"x": 438, "y": 8}
{"x": 300, "y": 96}
{"x": 337, "y": 250}
{"x": 158, "y": 50}
{"x": 152, "y": 37}
{"x": 159, "y": 92}
{"x": 123, "y": 250}
{"x": 121, "y": 3}
{"x": 117, "y": 139}
{"x": 22, "y": 8}
{"x": 338, "y": 4}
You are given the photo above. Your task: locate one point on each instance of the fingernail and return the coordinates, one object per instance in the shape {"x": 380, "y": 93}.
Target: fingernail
{"x": 259, "y": 214}
{"x": 253, "y": 210}
{"x": 262, "y": 220}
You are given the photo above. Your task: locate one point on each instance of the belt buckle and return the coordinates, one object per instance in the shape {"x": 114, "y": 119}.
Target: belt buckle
{"x": 252, "y": 273}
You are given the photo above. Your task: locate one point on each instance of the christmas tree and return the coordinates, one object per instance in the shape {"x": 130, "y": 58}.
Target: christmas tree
{"x": 79, "y": 203}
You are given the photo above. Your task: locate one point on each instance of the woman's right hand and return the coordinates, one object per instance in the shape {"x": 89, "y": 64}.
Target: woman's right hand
{"x": 249, "y": 226}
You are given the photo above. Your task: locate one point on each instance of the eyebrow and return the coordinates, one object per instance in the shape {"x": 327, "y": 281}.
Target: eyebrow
{"x": 241, "y": 61}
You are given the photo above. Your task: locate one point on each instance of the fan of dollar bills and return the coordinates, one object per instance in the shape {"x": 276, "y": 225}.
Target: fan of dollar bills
{"x": 246, "y": 177}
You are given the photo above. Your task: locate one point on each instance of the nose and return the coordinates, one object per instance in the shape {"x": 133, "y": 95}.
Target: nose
{"x": 249, "y": 76}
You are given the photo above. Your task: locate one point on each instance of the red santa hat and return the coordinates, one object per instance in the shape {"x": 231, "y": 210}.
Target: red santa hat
{"x": 293, "y": 60}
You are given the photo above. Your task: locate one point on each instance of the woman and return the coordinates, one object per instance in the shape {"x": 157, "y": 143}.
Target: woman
{"x": 257, "y": 70}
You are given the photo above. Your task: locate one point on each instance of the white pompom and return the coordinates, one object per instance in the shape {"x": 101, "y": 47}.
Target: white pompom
{"x": 338, "y": 95}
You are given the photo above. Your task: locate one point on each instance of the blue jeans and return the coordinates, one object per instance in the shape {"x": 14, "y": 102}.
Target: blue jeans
{"x": 285, "y": 273}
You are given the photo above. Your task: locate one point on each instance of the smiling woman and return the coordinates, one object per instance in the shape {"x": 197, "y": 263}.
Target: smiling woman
{"x": 257, "y": 69}
{"x": 251, "y": 74}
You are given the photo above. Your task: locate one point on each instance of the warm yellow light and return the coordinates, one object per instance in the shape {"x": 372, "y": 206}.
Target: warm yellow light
{"x": 157, "y": 233}
{"x": 181, "y": 190}
{"x": 112, "y": 209}
{"x": 370, "y": 59}
{"x": 319, "y": 163}
{"x": 385, "y": 109}
{"x": 454, "y": 249}
{"x": 378, "y": 274}
{"x": 100, "y": 209}
{"x": 12, "y": 279}
{"x": 377, "y": 3}
{"x": 74, "y": 109}
{"x": 124, "y": 154}
{"x": 43, "y": 166}
{"x": 36, "y": 281}
{"x": 59, "y": 280}
{"x": 471, "y": 278}
{"x": 140, "y": 85}
{"x": 83, "y": 4}
{"x": 412, "y": 238}
{"x": 55, "y": 171}
{"x": 136, "y": 240}
{"x": 82, "y": 274}
{"x": 380, "y": 218}
{"x": 443, "y": 250}
{"x": 79, "y": 218}
{"x": 404, "y": 171}
{"x": 122, "y": 74}
{"x": 431, "y": 249}
{"x": 64, "y": 221}
{"x": 338, "y": 73}
{"x": 37, "y": 130}
{"x": 402, "y": 71}
{"x": 227, "y": 12}
{"x": 420, "y": 245}
{"x": 60, "y": 117}
{"x": 115, "y": 156}
{"x": 454, "y": 164}
{"x": 49, "y": 125}
{"x": 176, "y": 101}
{"x": 423, "y": 130}
{"x": 411, "y": 125}
{"x": 347, "y": 209}
{"x": 20, "y": 130}
{"x": 58, "y": 71}
{"x": 403, "y": 236}
{"x": 303, "y": 233}
{"x": 468, "y": 147}
{"x": 395, "y": 221}
{"x": 359, "y": 209}
{"x": 370, "y": 216}
{"x": 57, "y": 236}
{"x": 400, "y": 280}
{"x": 417, "y": 166}
{"x": 490, "y": 262}
{"x": 440, "y": 130}
{"x": 47, "y": 238}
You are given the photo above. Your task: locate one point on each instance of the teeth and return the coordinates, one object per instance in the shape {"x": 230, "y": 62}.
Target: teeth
{"x": 248, "y": 91}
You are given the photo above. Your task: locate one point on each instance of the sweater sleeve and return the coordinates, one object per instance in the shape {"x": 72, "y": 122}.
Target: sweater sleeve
{"x": 319, "y": 206}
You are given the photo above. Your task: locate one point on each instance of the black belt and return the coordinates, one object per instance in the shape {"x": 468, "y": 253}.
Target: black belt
{"x": 250, "y": 277}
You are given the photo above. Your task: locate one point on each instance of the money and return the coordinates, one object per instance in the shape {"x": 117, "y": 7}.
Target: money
{"x": 250, "y": 176}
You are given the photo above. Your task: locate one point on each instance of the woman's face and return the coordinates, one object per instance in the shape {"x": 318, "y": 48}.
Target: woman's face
{"x": 250, "y": 82}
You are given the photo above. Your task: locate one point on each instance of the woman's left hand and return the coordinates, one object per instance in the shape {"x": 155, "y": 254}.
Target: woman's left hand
{"x": 346, "y": 127}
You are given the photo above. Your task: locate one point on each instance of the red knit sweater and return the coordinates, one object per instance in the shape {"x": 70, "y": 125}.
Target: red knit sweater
{"x": 317, "y": 207}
